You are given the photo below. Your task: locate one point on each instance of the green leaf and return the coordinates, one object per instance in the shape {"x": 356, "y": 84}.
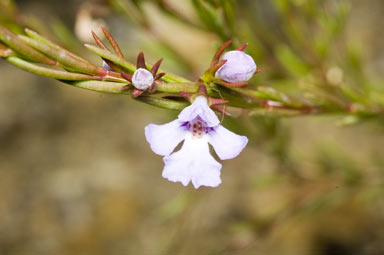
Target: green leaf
{"x": 291, "y": 61}
{"x": 47, "y": 72}
{"x": 190, "y": 87}
{"x": 209, "y": 16}
{"x": 99, "y": 86}
{"x": 163, "y": 103}
{"x": 61, "y": 55}
{"x": 16, "y": 44}
{"x": 229, "y": 14}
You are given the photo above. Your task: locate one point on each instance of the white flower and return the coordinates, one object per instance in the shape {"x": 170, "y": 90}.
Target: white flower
{"x": 239, "y": 67}
{"x": 142, "y": 79}
{"x": 197, "y": 125}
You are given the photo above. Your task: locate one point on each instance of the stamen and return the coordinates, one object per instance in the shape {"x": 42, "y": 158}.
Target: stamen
{"x": 197, "y": 127}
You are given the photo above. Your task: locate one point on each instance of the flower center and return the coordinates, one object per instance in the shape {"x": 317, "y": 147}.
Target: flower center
{"x": 197, "y": 127}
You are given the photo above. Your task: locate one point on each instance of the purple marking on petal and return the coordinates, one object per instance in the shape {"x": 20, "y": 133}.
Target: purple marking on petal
{"x": 186, "y": 125}
{"x": 198, "y": 127}
{"x": 209, "y": 130}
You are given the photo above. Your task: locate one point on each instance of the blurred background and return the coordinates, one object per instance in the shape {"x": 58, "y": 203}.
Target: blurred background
{"x": 78, "y": 177}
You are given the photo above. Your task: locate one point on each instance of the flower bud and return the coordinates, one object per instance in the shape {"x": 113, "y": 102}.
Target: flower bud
{"x": 142, "y": 79}
{"x": 239, "y": 67}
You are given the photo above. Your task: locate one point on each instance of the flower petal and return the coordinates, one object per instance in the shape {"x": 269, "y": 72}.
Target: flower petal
{"x": 193, "y": 162}
{"x": 164, "y": 138}
{"x": 200, "y": 108}
{"x": 227, "y": 144}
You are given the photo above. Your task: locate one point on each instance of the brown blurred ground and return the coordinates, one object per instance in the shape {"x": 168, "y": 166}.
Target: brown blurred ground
{"x": 77, "y": 177}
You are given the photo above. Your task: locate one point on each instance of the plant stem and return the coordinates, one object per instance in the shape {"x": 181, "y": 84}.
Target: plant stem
{"x": 128, "y": 66}
{"x": 48, "y": 72}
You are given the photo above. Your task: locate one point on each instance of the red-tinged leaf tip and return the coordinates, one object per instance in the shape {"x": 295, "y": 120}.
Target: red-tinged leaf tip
{"x": 141, "y": 61}
{"x": 220, "y": 51}
{"x": 258, "y": 71}
{"x": 158, "y": 76}
{"x": 125, "y": 87}
{"x": 99, "y": 42}
{"x": 52, "y": 62}
{"x": 101, "y": 71}
{"x": 136, "y": 93}
{"x": 186, "y": 95}
{"x": 112, "y": 41}
{"x": 216, "y": 67}
{"x": 127, "y": 76}
{"x": 217, "y": 101}
{"x": 242, "y": 47}
{"x": 232, "y": 85}
{"x": 202, "y": 90}
{"x": 110, "y": 75}
{"x": 152, "y": 88}
{"x": 97, "y": 77}
{"x": 156, "y": 66}
{"x": 221, "y": 109}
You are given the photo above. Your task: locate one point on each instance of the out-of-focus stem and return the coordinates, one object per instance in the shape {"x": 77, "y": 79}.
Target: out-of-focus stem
{"x": 16, "y": 44}
{"x": 5, "y": 51}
